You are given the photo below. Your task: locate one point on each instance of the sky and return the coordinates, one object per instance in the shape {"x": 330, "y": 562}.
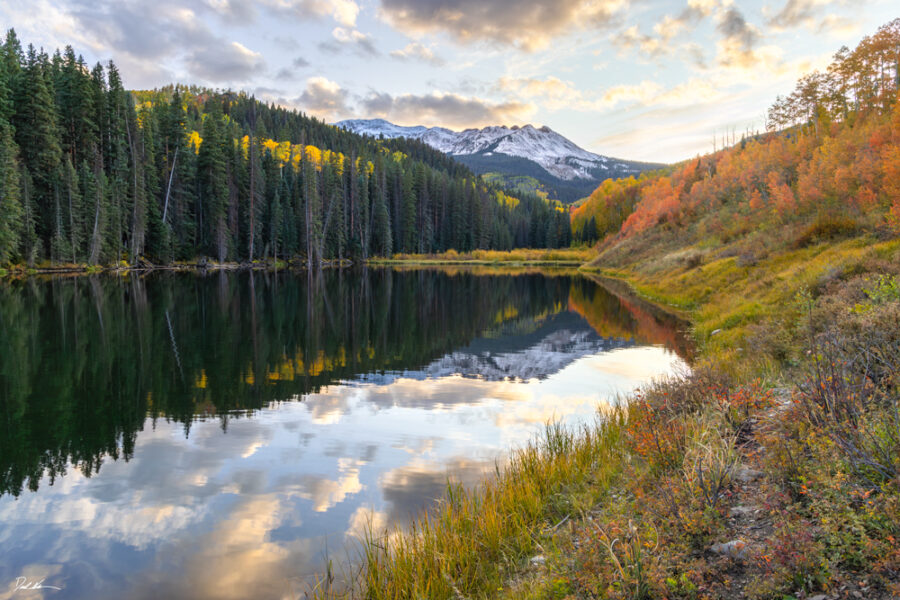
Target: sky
{"x": 636, "y": 79}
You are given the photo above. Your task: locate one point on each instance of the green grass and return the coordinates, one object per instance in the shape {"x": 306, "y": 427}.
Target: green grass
{"x": 524, "y": 256}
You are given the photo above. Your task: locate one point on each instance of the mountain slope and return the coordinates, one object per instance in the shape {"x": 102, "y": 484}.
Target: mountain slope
{"x": 568, "y": 171}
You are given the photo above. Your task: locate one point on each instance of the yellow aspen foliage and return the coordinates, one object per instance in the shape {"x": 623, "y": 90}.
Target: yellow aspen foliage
{"x": 194, "y": 141}
{"x": 270, "y": 145}
{"x": 314, "y": 155}
{"x": 282, "y": 153}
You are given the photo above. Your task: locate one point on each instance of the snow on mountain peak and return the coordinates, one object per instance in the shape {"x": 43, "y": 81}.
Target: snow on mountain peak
{"x": 558, "y": 155}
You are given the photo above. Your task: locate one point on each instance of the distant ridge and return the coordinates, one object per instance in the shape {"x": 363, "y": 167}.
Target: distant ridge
{"x": 566, "y": 170}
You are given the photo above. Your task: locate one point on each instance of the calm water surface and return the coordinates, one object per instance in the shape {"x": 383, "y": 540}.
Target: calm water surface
{"x": 219, "y": 436}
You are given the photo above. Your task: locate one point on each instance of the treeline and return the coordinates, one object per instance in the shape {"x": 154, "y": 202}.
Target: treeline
{"x": 829, "y": 166}
{"x": 856, "y": 82}
{"x": 91, "y": 173}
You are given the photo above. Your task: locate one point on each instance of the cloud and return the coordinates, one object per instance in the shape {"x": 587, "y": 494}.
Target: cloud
{"x": 840, "y": 27}
{"x": 234, "y": 11}
{"x": 643, "y": 93}
{"x": 808, "y": 13}
{"x": 231, "y": 62}
{"x": 300, "y": 62}
{"x": 324, "y": 98}
{"x": 797, "y": 12}
{"x": 448, "y": 110}
{"x": 361, "y": 43}
{"x": 416, "y": 51}
{"x": 733, "y": 26}
{"x": 632, "y": 38}
{"x": 665, "y": 30}
{"x": 146, "y": 39}
{"x": 525, "y": 24}
{"x": 737, "y": 48}
{"x": 552, "y": 93}
{"x": 344, "y": 12}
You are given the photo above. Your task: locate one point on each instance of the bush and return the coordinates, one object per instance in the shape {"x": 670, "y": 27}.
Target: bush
{"x": 827, "y": 229}
{"x": 851, "y": 390}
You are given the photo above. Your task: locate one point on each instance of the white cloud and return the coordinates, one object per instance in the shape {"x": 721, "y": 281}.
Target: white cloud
{"x": 323, "y": 98}
{"x": 525, "y": 24}
{"x": 416, "y": 51}
{"x": 445, "y": 109}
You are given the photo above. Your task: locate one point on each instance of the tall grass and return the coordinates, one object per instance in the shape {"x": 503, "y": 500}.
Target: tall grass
{"x": 475, "y": 540}
{"x": 522, "y": 255}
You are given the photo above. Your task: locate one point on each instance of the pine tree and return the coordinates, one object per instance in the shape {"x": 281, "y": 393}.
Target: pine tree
{"x": 38, "y": 138}
{"x": 213, "y": 198}
{"x": 10, "y": 197}
{"x": 382, "y": 236}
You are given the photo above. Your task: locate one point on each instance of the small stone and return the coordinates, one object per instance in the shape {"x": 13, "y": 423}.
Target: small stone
{"x": 734, "y": 548}
{"x": 538, "y": 560}
{"x": 857, "y": 594}
{"x": 715, "y": 332}
{"x": 741, "y": 511}
{"x": 747, "y": 475}
{"x": 818, "y": 597}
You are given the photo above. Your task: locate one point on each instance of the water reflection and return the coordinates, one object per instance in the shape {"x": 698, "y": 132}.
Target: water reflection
{"x": 210, "y": 437}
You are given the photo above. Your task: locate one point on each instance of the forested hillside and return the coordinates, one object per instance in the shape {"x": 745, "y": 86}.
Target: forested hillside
{"x": 93, "y": 174}
{"x": 828, "y": 167}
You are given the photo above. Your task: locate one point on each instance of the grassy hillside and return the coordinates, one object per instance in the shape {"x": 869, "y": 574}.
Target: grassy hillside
{"x": 772, "y": 470}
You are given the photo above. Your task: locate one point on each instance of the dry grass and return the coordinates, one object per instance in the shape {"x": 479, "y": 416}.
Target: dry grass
{"x": 561, "y": 256}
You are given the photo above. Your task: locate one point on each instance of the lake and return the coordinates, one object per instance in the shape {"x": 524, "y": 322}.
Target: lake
{"x": 224, "y": 435}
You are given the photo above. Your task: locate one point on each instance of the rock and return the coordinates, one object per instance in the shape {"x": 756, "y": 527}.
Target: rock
{"x": 733, "y": 549}
{"x": 747, "y": 475}
{"x": 818, "y": 597}
{"x": 741, "y": 511}
{"x": 715, "y": 332}
{"x": 538, "y": 561}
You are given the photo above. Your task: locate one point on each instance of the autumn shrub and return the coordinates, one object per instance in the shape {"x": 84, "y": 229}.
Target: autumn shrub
{"x": 851, "y": 390}
{"x": 827, "y": 229}
{"x": 620, "y": 560}
{"x": 792, "y": 561}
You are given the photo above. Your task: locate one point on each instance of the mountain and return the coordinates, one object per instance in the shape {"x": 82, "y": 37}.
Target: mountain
{"x": 565, "y": 170}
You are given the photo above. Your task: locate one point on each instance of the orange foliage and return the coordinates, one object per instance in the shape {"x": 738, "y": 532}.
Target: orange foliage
{"x": 840, "y": 160}
{"x": 781, "y": 194}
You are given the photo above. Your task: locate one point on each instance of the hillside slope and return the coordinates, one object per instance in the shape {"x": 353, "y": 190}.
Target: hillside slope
{"x": 800, "y": 207}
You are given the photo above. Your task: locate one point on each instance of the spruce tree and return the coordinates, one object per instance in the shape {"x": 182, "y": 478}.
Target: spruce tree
{"x": 38, "y": 138}
{"x": 10, "y": 197}
{"x": 213, "y": 198}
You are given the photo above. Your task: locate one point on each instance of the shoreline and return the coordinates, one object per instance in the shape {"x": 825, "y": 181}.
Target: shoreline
{"x": 20, "y": 271}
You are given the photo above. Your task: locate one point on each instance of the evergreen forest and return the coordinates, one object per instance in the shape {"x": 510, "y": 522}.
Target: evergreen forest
{"x": 91, "y": 173}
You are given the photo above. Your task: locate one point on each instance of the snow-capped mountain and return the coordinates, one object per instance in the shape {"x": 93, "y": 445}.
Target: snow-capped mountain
{"x": 503, "y": 149}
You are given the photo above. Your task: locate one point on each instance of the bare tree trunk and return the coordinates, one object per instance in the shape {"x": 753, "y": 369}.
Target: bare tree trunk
{"x": 95, "y": 236}
{"x": 169, "y": 187}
